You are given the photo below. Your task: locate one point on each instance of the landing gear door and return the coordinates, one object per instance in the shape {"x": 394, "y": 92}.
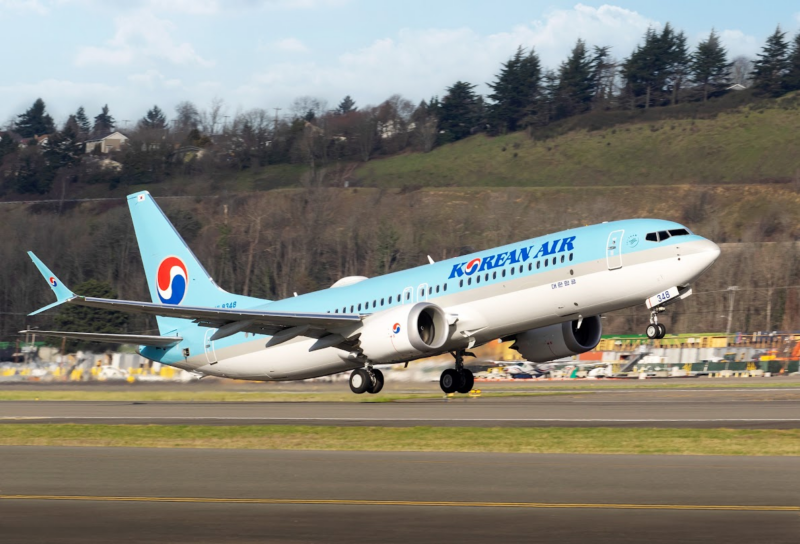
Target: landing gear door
{"x": 208, "y": 346}
{"x": 614, "y": 250}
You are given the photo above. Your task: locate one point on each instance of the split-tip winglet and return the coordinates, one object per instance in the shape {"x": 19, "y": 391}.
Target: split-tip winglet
{"x": 63, "y": 294}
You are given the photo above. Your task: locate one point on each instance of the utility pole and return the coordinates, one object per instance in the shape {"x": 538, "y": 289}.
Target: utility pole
{"x": 732, "y": 289}
{"x": 276, "y": 118}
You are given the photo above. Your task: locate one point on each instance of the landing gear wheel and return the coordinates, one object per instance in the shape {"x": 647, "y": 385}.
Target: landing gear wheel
{"x": 360, "y": 381}
{"x": 449, "y": 381}
{"x": 377, "y": 385}
{"x": 662, "y": 331}
{"x": 652, "y": 331}
{"x": 467, "y": 381}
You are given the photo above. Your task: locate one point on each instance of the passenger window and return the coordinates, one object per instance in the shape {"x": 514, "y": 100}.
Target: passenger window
{"x": 352, "y": 309}
{"x": 486, "y": 277}
{"x": 469, "y": 281}
{"x": 538, "y": 265}
{"x": 444, "y": 287}
{"x": 520, "y": 269}
{"x": 437, "y": 289}
{"x": 390, "y": 300}
{"x": 422, "y": 292}
{"x": 430, "y": 290}
{"x": 562, "y": 258}
{"x": 359, "y": 307}
{"x": 494, "y": 275}
{"x": 651, "y": 237}
{"x": 382, "y": 302}
{"x": 461, "y": 283}
{"x": 512, "y": 270}
{"x": 408, "y": 295}
{"x": 530, "y": 267}
{"x": 503, "y": 273}
{"x": 478, "y": 278}
{"x": 570, "y": 257}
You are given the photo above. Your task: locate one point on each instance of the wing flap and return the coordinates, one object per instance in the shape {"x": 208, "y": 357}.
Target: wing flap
{"x": 135, "y": 339}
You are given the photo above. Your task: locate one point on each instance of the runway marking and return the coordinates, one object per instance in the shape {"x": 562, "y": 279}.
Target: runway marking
{"x": 364, "y": 502}
{"x": 390, "y": 419}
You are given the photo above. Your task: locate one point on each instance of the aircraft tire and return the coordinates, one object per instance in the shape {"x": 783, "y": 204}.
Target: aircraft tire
{"x": 360, "y": 381}
{"x": 467, "y": 381}
{"x": 378, "y": 385}
{"x": 662, "y": 331}
{"x": 449, "y": 380}
{"x": 652, "y": 331}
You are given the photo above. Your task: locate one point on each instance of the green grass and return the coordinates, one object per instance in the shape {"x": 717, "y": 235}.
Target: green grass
{"x": 462, "y": 439}
{"x": 741, "y": 146}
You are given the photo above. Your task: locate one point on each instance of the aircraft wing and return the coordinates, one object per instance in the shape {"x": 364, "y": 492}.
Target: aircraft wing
{"x": 135, "y": 339}
{"x": 278, "y": 320}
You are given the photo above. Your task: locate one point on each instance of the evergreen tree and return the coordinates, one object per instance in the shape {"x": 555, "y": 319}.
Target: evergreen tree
{"x": 82, "y": 318}
{"x": 515, "y": 91}
{"x": 104, "y": 124}
{"x": 346, "y": 105}
{"x": 677, "y": 61}
{"x": 604, "y": 75}
{"x": 154, "y": 119}
{"x": 644, "y": 70}
{"x": 792, "y": 78}
{"x": 576, "y": 83}
{"x": 710, "y": 66}
{"x": 458, "y": 111}
{"x": 83, "y": 122}
{"x": 772, "y": 65}
{"x": 63, "y": 148}
{"x": 35, "y": 121}
{"x": 7, "y": 146}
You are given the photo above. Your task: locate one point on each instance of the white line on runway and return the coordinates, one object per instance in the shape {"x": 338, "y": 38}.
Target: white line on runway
{"x": 384, "y": 419}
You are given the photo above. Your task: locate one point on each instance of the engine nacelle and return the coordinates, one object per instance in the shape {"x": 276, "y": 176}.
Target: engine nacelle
{"x": 404, "y": 333}
{"x": 559, "y": 340}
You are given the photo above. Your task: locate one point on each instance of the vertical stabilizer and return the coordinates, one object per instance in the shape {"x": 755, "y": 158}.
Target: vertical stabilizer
{"x": 174, "y": 275}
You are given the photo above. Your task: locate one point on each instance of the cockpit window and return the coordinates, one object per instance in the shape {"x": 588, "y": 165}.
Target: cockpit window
{"x": 662, "y": 235}
{"x": 679, "y": 232}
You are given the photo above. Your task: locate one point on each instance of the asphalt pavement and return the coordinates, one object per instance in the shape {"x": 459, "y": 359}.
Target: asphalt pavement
{"x": 125, "y": 495}
{"x": 767, "y": 408}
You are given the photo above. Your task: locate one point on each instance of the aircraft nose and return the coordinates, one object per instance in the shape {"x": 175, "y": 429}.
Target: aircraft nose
{"x": 708, "y": 249}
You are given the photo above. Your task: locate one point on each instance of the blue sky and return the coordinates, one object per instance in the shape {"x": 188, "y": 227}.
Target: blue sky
{"x": 265, "y": 53}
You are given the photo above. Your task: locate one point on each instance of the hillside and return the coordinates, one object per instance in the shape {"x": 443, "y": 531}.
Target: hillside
{"x": 751, "y": 144}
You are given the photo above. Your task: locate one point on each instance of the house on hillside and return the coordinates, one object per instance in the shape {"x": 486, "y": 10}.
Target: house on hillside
{"x": 107, "y": 144}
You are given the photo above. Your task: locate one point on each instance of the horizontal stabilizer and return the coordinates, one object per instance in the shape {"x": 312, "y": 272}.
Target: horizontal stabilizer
{"x": 135, "y": 339}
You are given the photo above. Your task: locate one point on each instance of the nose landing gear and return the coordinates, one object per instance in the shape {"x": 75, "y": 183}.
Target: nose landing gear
{"x": 655, "y": 330}
{"x": 458, "y": 379}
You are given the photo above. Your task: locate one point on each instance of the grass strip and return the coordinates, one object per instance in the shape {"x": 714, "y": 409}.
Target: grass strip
{"x": 450, "y": 439}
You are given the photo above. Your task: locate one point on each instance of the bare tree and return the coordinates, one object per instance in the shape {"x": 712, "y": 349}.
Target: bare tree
{"x": 741, "y": 69}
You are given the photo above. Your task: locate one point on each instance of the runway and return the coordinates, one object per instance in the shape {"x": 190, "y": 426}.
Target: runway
{"x": 157, "y": 495}
{"x": 699, "y": 408}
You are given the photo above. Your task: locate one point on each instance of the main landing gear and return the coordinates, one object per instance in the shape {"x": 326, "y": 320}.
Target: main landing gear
{"x": 366, "y": 380}
{"x": 655, "y": 330}
{"x": 458, "y": 379}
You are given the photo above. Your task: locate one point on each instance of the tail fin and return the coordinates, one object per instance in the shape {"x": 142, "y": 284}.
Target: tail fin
{"x": 174, "y": 275}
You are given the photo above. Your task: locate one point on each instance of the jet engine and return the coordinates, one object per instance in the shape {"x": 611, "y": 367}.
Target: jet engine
{"x": 559, "y": 340}
{"x": 404, "y": 333}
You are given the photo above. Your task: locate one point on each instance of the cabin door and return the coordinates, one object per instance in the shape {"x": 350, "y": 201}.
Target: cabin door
{"x": 614, "y": 250}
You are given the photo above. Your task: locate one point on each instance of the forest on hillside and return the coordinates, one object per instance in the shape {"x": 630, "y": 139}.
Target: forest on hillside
{"x": 39, "y": 156}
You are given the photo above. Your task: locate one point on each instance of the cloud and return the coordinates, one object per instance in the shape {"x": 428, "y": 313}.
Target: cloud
{"x": 153, "y": 79}
{"x": 418, "y": 63}
{"x": 140, "y": 34}
{"x": 737, "y": 43}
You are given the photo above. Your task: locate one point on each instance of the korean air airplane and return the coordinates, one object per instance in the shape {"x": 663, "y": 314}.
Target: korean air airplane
{"x": 546, "y": 295}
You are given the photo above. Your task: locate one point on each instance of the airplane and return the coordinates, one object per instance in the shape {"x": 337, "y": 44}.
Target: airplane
{"x": 545, "y": 294}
